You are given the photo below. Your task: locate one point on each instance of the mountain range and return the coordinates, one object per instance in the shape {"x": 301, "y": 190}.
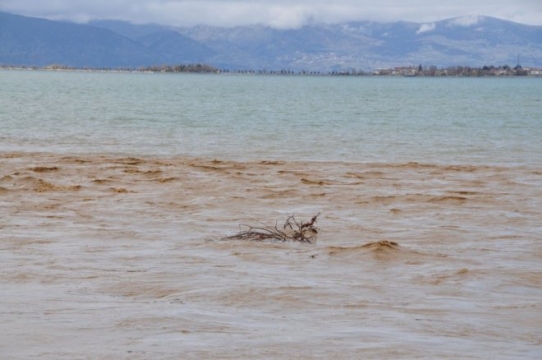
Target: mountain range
{"x": 361, "y": 45}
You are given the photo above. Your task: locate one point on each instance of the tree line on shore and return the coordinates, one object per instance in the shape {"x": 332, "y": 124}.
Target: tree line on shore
{"x": 180, "y": 68}
{"x": 486, "y": 70}
{"x": 431, "y": 71}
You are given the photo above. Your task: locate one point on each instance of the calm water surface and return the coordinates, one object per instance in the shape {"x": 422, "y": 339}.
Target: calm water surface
{"x": 362, "y": 119}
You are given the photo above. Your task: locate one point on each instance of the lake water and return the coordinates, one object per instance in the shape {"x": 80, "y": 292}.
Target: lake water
{"x": 362, "y": 119}
{"x": 117, "y": 191}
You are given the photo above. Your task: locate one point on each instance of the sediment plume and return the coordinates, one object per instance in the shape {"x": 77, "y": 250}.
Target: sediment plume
{"x": 120, "y": 257}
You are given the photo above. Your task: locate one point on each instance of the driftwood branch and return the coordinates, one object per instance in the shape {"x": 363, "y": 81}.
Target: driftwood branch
{"x": 292, "y": 230}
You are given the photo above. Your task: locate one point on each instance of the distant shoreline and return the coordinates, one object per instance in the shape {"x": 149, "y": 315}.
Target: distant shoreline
{"x": 404, "y": 71}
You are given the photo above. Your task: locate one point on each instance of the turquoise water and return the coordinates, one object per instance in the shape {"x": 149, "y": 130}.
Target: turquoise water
{"x": 242, "y": 117}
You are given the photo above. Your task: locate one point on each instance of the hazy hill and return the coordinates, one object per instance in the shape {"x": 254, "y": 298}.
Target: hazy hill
{"x": 32, "y": 41}
{"x": 471, "y": 41}
{"x": 176, "y": 47}
{"x": 126, "y": 29}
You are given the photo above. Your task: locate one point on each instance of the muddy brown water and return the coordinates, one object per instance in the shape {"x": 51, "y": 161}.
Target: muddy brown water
{"x": 107, "y": 257}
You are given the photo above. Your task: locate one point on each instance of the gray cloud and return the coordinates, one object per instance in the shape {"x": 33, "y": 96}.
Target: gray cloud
{"x": 276, "y": 13}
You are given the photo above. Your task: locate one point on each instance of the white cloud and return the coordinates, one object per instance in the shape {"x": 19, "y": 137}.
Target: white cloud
{"x": 277, "y": 13}
{"x": 465, "y": 21}
{"x": 426, "y": 27}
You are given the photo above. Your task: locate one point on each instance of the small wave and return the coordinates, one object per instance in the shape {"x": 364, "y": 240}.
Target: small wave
{"x": 43, "y": 186}
{"x": 315, "y": 182}
{"x": 383, "y": 245}
{"x": 383, "y": 250}
{"x": 42, "y": 169}
{"x": 448, "y": 199}
{"x": 37, "y": 184}
{"x": 130, "y": 161}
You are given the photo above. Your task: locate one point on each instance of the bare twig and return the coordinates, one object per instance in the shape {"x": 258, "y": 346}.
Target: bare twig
{"x": 292, "y": 230}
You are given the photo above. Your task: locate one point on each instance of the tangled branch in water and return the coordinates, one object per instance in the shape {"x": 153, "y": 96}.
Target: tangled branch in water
{"x": 292, "y": 230}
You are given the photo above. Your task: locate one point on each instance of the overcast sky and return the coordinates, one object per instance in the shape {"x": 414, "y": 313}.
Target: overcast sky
{"x": 276, "y": 13}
